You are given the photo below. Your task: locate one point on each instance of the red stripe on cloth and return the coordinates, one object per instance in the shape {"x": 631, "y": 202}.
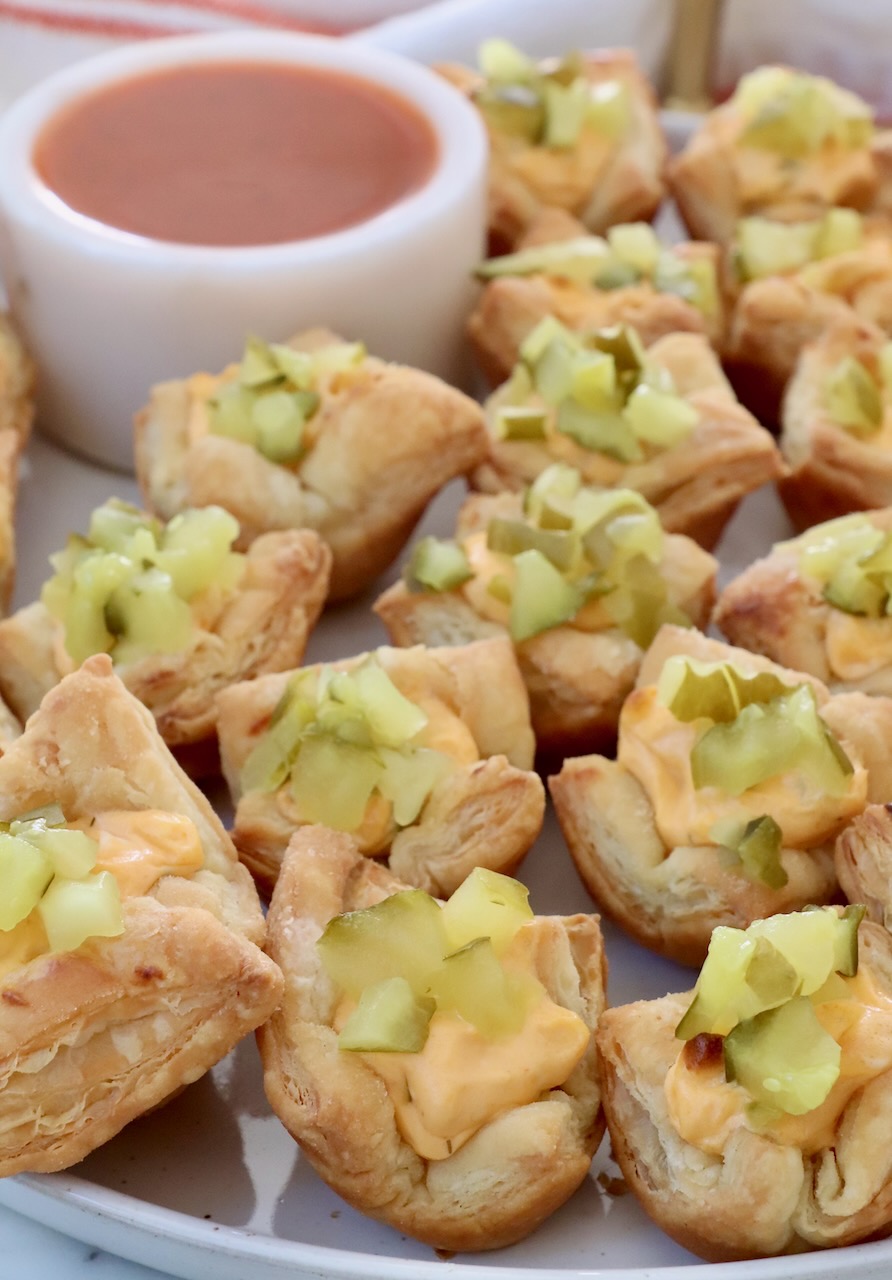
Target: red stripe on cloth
{"x": 133, "y": 29}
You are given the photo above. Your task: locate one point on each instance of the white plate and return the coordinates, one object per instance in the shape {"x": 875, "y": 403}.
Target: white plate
{"x": 213, "y": 1185}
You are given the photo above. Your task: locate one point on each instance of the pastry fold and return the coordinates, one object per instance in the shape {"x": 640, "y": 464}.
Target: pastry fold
{"x": 387, "y": 439}
{"x": 671, "y": 898}
{"x": 515, "y": 1171}
{"x": 484, "y": 812}
{"x": 757, "y": 1198}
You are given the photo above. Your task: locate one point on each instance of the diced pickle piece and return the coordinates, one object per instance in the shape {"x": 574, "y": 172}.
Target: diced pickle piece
{"x": 148, "y": 617}
{"x": 767, "y": 248}
{"x": 437, "y": 564}
{"x": 513, "y": 109}
{"x": 757, "y": 844}
{"x": 391, "y": 716}
{"x": 499, "y": 59}
{"x": 566, "y": 108}
{"x": 472, "y": 983}
{"x": 602, "y": 432}
{"x": 691, "y": 688}
{"x": 389, "y": 1018}
{"x": 660, "y": 419}
{"x": 402, "y": 936}
{"x": 270, "y": 760}
{"x": 25, "y": 872}
{"x": 635, "y": 243}
{"x": 609, "y": 108}
{"x": 724, "y": 994}
{"x": 486, "y": 905}
{"x": 581, "y": 258}
{"x": 841, "y": 230}
{"x": 195, "y": 549}
{"x": 511, "y": 537}
{"x": 520, "y": 422}
{"x": 852, "y": 397}
{"x": 332, "y": 782}
{"x": 408, "y": 780}
{"x": 784, "y": 1058}
{"x": 72, "y": 853}
{"x": 74, "y": 910}
{"x": 542, "y": 597}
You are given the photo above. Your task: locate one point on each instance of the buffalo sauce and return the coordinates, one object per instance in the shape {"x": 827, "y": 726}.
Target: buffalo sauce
{"x": 236, "y": 153}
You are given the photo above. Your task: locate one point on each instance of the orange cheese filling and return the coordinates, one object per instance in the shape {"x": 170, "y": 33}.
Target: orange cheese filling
{"x": 656, "y": 749}
{"x": 705, "y": 1109}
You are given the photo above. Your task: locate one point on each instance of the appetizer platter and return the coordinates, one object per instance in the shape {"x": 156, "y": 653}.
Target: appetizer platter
{"x": 618, "y": 485}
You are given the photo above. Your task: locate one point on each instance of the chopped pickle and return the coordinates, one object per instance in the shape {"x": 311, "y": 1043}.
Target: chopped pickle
{"x": 767, "y": 248}
{"x": 389, "y": 1018}
{"x": 783, "y": 1057}
{"x": 406, "y": 957}
{"x": 581, "y": 258}
{"x": 125, "y": 590}
{"x": 437, "y": 564}
{"x": 749, "y": 971}
{"x": 636, "y": 243}
{"x": 560, "y": 546}
{"x": 609, "y": 433}
{"x": 658, "y": 418}
{"x": 25, "y": 872}
{"x": 548, "y": 103}
{"x": 757, "y": 844}
{"x": 486, "y": 905}
{"x": 275, "y": 396}
{"x": 799, "y": 114}
{"x": 852, "y": 397}
{"x": 542, "y": 597}
{"x": 74, "y": 910}
{"x": 72, "y": 853}
{"x": 343, "y": 737}
{"x": 766, "y": 739}
{"x": 402, "y": 936}
{"x": 473, "y": 983}
{"x": 718, "y": 690}
{"x": 520, "y": 422}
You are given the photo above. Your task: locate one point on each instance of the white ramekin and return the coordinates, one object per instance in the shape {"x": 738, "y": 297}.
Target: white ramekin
{"x": 106, "y": 313}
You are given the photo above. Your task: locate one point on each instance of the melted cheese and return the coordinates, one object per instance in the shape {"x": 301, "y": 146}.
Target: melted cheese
{"x": 461, "y": 1080}
{"x": 140, "y": 846}
{"x": 857, "y": 647}
{"x": 656, "y": 749}
{"x": 705, "y": 1109}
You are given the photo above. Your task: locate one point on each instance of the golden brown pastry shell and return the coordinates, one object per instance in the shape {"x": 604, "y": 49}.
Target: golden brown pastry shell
{"x": 576, "y": 680}
{"x": 262, "y": 625}
{"x": 670, "y": 900}
{"x": 388, "y": 439}
{"x": 599, "y": 181}
{"x": 758, "y": 1198}
{"x": 514, "y": 1172}
{"x": 486, "y": 813}
{"x": 831, "y": 471}
{"x": 696, "y": 485}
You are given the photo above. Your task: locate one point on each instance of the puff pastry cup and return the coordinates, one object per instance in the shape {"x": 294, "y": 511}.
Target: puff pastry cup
{"x": 833, "y": 470}
{"x": 641, "y": 836}
{"x": 516, "y": 1170}
{"x": 486, "y": 808}
{"x": 758, "y": 1197}
{"x": 578, "y": 672}
{"x": 864, "y": 863}
{"x": 93, "y": 1037}
{"x": 695, "y": 485}
{"x": 609, "y": 173}
{"x": 775, "y": 317}
{"x": 787, "y": 144}
{"x": 665, "y": 298}
{"x": 259, "y": 623}
{"x": 381, "y": 442}
{"x": 779, "y": 608}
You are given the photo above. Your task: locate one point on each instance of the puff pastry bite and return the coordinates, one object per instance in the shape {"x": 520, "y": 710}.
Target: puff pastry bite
{"x": 588, "y": 282}
{"x": 579, "y": 133}
{"x": 181, "y": 614}
{"x": 478, "y": 1157}
{"x": 310, "y": 434}
{"x": 836, "y": 433}
{"x": 819, "y": 603}
{"x": 422, "y": 755}
{"x": 864, "y": 863}
{"x": 732, "y": 778}
{"x": 766, "y": 1130}
{"x": 786, "y": 144}
{"x": 129, "y": 932}
{"x": 793, "y": 282}
{"x": 580, "y": 578}
{"x": 663, "y": 421}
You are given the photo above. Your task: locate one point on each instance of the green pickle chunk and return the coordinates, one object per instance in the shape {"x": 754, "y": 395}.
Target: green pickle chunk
{"x": 853, "y": 398}
{"x": 798, "y": 114}
{"x": 125, "y": 589}
{"x": 48, "y": 868}
{"x": 341, "y": 738}
{"x": 406, "y": 958}
{"x": 760, "y": 989}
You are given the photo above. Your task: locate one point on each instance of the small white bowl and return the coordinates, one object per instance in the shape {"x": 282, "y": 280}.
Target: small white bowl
{"x": 107, "y": 313}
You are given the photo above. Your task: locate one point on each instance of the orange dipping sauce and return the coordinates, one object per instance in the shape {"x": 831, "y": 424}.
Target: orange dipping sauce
{"x": 236, "y": 153}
